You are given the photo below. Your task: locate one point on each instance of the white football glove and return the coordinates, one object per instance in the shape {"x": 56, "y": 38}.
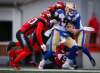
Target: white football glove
{"x": 53, "y": 21}
{"x": 43, "y": 46}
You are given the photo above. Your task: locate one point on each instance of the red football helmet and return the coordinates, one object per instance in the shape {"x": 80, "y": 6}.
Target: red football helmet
{"x": 51, "y": 8}
{"x": 46, "y": 14}
{"x": 60, "y": 4}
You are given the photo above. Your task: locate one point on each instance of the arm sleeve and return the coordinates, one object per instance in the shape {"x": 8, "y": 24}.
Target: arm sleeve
{"x": 81, "y": 25}
{"x": 39, "y": 29}
{"x": 78, "y": 21}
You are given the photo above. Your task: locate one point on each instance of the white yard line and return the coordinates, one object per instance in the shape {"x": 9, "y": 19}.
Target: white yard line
{"x": 52, "y": 70}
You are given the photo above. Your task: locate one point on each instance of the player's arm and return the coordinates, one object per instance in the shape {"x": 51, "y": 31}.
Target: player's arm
{"x": 39, "y": 30}
{"x": 77, "y": 18}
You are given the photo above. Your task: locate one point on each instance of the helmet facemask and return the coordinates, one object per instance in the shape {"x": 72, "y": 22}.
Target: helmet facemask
{"x": 70, "y": 7}
{"x": 46, "y": 14}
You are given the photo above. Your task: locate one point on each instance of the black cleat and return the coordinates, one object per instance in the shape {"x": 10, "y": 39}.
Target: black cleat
{"x": 93, "y": 62}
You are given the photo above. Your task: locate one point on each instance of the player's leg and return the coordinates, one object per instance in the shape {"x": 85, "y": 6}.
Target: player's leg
{"x": 73, "y": 48}
{"x": 52, "y": 48}
{"x": 26, "y": 49}
{"x": 54, "y": 40}
{"x": 11, "y": 52}
{"x": 86, "y": 51}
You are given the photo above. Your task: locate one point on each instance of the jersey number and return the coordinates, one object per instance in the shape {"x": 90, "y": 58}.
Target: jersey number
{"x": 32, "y": 21}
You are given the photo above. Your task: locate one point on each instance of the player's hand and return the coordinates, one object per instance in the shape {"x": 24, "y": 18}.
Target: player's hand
{"x": 53, "y": 21}
{"x": 44, "y": 48}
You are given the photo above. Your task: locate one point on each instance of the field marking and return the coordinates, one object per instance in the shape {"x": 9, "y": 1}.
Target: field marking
{"x": 50, "y": 70}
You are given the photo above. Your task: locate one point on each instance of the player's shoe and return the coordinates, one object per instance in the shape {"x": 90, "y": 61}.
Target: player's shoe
{"x": 41, "y": 64}
{"x": 33, "y": 64}
{"x": 14, "y": 65}
{"x": 93, "y": 62}
{"x": 67, "y": 65}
